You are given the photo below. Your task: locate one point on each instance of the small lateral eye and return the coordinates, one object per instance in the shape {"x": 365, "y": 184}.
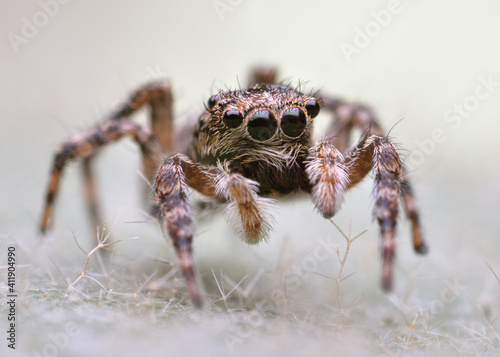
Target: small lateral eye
{"x": 212, "y": 101}
{"x": 312, "y": 107}
{"x": 232, "y": 118}
{"x": 293, "y": 122}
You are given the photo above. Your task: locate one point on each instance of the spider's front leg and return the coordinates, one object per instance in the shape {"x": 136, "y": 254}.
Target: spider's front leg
{"x": 349, "y": 115}
{"x": 171, "y": 184}
{"x": 330, "y": 175}
{"x": 245, "y": 206}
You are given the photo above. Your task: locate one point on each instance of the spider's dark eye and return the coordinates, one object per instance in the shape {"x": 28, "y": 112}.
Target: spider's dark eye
{"x": 232, "y": 118}
{"x": 293, "y": 122}
{"x": 262, "y": 125}
{"x": 312, "y": 107}
{"x": 212, "y": 101}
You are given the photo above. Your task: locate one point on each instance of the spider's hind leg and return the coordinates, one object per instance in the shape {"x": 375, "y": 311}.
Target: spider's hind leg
{"x": 347, "y": 117}
{"x": 262, "y": 75}
{"x": 158, "y": 96}
{"x": 85, "y": 146}
{"x": 91, "y": 194}
{"x": 411, "y": 208}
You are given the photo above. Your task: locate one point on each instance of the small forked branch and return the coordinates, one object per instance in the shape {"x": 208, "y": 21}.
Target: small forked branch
{"x": 101, "y": 244}
{"x": 343, "y": 260}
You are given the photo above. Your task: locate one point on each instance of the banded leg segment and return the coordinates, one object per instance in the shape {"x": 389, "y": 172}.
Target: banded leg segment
{"x": 350, "y": 115}
{"x": 158, "y": 95}
{"x": 86, "y": 145}
{"x": 171, "y": 184}
{"x": 379, "y": 154}
{"x": 176, "y": 215}
{"x": 91, "y": 193}
{"x": 411, "y": 208}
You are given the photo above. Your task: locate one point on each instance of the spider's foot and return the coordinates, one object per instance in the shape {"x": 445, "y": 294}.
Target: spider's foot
{"x": 421, "y": 249}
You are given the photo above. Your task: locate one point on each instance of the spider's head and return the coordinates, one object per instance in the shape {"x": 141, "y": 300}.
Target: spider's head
{"x": 264, "y": 116}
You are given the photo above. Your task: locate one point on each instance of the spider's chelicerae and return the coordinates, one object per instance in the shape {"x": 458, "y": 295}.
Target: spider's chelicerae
{"x": 248, "y": 146}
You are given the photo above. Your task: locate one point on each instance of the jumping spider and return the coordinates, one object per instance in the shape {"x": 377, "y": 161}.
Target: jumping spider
{"x": 247, "y": 146}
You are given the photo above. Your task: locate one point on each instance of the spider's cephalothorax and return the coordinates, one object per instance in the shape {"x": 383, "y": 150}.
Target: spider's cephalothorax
{"x": 262, "y": 133}
{"x": 246, "y": 148}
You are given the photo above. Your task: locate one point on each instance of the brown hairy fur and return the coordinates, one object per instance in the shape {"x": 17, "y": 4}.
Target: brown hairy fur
{"x": 248, "y": 147}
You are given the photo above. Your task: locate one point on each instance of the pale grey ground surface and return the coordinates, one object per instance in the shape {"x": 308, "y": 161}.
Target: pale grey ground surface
{"x": 428, "y": 58}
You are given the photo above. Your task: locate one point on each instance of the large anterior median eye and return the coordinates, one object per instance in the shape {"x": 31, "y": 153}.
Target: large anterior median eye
{"x": 232, "y": 118}
{"x": 262, "y": 125}
{"x": 293, "y": 122}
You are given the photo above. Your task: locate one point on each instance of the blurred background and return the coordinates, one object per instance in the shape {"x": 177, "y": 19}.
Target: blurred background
{"x": 430, "y": 70}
